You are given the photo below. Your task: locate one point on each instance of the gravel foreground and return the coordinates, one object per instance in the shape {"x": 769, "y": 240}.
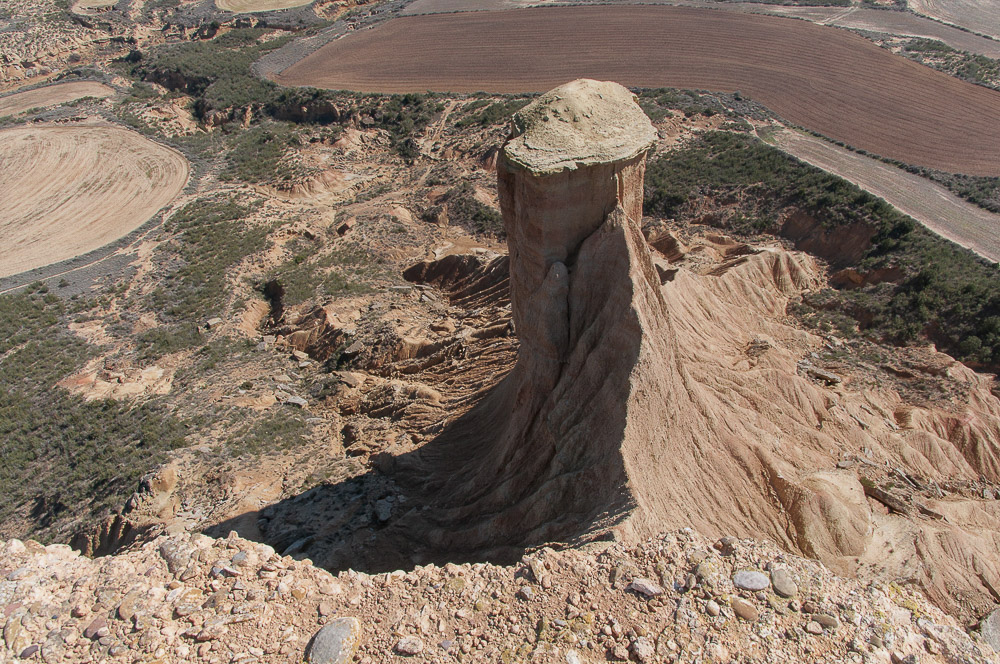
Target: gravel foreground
{"x": 674, "y": 598}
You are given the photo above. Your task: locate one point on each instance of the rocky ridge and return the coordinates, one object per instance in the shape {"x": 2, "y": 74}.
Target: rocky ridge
{"x": 855, "y": 474}
{"x": 677, "y": 597}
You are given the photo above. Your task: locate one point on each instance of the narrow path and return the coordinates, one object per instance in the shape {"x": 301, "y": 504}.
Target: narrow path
{"x": 103, "y": 258}
{"x": 431, "y": 139}
{"x": 838, "y": 16}
{"x": 929, "y": 203}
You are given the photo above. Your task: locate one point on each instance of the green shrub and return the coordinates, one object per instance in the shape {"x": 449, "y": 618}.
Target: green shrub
{"x": 256, "y": 154}
{"x": 215, "y": 72}
{"x": 491, "y": 113}
{"x": 970, "y": 67}
{"x": 61, "y": 457}
{"x": 279, "y": 430}
{"x": 402, "y": 116}
{"x": 343, "y": 271}
{"x": 210, "y": 237}
{"x": 465, "y": 211}
{"x": 167, "y": 339}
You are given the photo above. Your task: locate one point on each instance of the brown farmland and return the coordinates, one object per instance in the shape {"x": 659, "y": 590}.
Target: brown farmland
{"x": 826, "y": 79}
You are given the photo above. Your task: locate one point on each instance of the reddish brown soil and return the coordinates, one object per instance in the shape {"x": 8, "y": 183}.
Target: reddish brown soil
{"x": 828, "y": 80}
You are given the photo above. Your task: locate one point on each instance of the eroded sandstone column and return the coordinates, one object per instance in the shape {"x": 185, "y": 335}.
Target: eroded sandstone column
{"x": 545, "y": 454}
{"x": 575, "y": 154}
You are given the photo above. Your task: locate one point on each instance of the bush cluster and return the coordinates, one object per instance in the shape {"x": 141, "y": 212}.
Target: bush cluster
{"x": 465, "y": 211}
{"x": 344, "y": 271}
{"x": 257, "y": 154}
{"x": 970, "y": 67}
{"x": 210, "y": 236}
{"x": 485, "y": 113}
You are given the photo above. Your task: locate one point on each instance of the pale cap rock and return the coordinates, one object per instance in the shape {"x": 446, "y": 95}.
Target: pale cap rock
{"x": 581, "y": 123}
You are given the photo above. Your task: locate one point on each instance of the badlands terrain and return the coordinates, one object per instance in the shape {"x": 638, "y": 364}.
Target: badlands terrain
{"x": 484, "y": 374}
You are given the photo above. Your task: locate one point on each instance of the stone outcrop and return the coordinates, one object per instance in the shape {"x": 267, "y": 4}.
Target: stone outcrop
{"x": 189, "y": 598}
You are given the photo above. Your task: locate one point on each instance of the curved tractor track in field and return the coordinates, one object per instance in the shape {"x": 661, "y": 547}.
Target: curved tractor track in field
{"x": 70, "y": 190}
{"x": 826, "y": 79}
{"x": 982, "y": 16}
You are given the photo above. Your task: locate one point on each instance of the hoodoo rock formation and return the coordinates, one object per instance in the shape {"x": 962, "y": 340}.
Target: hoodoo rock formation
{"x": 546, "y": 455}
{"x": 648, "y": 396}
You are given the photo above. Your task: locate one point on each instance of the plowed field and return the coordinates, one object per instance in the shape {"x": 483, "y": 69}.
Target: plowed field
{"x": 51, "y": 95}
{"x": 823, "y": 78}
{"x": 70, "y": 190}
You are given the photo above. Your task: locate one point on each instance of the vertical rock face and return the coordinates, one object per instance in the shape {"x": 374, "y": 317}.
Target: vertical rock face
{"x": 576, "y": 154}
{"x": 618, "y": 419}
{"x": 637, "y": 406}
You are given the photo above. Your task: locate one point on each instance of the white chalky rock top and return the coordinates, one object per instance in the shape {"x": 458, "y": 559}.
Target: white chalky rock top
{"x": 581, "y": 123}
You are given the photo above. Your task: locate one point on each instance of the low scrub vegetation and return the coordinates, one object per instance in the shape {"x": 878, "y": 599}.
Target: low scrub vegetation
{"x": 946, "y": 293}
{"x": 273, "y": 433}
{"x": 466, "y": 211}
{"x": 970, "y": 67}
{"x": 486, "y": 112}
{"x": 61, "y": 457}
{"x": 209, "y": 237}
{"x": 402, "y": 116}
{"x": 216, "y": 73}
{"x": 308, "y": 274}
{"x": 259, "y": 154}
{"x": 662, "y": 103}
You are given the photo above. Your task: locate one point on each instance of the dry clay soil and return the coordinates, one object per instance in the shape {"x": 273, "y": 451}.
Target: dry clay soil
{"x": 825, "y": 79}
{"x": 70, "y": 190}
{"x": 51, "y": 95}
